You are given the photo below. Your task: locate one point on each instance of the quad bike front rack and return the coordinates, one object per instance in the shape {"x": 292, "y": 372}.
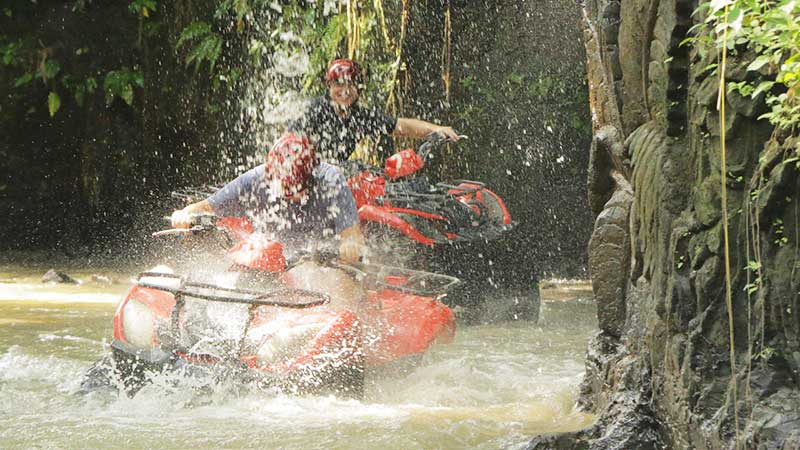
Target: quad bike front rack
{"x": 182, "y": 288}
{"x": 232, "y": 295}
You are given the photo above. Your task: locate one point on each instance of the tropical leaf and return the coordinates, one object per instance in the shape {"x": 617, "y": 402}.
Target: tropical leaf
{"x": 23, "y": 80}
{"x": 193, "y": 31}
{"x": 758, "y": 63}
{"x": 50, "y": 69}
{"x": 53, "y": 103}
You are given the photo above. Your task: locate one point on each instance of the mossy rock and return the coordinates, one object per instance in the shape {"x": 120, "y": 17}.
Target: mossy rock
{"x": 706, "y": 201}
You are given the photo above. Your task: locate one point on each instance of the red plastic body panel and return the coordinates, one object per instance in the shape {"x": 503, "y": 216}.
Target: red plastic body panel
{"x": 414, "y": 323}
{"x": 257, "y": 252}
{"x": 464, "y": 196}
{"x": 239, "y": 226}
{"x": 409, "y": 324}
{"x": 159, "y": 302}
{"x": 403, "y": 163}
{"x": 341, "y": 336}
{"x": 365, "y": 187}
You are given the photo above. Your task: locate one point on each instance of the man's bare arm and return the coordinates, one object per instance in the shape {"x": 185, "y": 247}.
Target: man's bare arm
{"x": 418, "y": 129}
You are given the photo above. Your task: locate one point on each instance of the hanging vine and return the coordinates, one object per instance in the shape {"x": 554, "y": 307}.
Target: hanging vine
{"x": 394, "y": 98}
{"x": 446, "y": 52}
{"x": 724, "y": 198}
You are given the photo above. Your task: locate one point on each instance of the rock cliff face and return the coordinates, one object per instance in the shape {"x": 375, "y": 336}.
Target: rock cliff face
{"x": 659, "y": 373}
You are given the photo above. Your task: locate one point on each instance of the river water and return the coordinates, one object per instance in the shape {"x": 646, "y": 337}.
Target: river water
{"x": 494, "y": 387}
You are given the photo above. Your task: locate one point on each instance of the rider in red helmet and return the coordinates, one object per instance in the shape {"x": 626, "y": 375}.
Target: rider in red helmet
{"x": 336, "y": 122}
{"x": 291, "y": 161}
{"x": 292, "y": 197}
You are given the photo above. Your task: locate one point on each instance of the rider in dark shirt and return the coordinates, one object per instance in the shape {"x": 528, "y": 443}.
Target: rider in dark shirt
{"x": 336, "y": 123}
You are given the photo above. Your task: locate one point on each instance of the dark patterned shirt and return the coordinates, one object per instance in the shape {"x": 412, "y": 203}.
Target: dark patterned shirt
{"x": 336, "y": 137}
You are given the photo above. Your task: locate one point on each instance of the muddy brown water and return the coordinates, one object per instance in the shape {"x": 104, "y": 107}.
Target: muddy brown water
{"x": 493, "y": 387}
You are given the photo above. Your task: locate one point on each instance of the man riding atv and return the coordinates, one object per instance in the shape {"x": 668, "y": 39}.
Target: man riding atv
{"x": 296, "y": 200}
{"x": 336, "y": 123}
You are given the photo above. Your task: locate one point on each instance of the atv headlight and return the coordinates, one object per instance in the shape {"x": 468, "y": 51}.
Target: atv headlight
{"x": 138, "y": 324}
{"x": 287, "y": 343}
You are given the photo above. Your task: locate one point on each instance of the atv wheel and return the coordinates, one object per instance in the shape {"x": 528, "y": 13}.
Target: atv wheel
{"x": 99, "y": 377}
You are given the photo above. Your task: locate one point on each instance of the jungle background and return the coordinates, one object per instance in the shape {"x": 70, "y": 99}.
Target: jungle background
{"x": 108, "y": 106}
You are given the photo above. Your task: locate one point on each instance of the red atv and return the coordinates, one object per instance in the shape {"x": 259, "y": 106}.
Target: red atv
{"x": 395, "y": 201}
{"x": 253, "y": 319}
{"x": 455, "y": 227}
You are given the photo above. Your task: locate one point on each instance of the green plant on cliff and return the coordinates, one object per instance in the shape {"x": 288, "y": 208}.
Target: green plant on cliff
{"x": 766, "y": 35}
{"x": 771, "y": 29}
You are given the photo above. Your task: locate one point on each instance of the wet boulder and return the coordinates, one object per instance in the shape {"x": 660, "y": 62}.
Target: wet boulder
{"x": 54, "y": 276}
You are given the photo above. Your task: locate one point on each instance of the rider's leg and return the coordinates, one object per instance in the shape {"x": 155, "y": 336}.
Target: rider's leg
{"x": 345, "y": 293}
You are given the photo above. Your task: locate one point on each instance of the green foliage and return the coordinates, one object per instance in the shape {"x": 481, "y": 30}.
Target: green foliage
{"x": 545, "y": 87}
{"x": 120, "y": 84}
{"x": 12, "y": 52}
{"x": 766, "y": 354}
{"x": 207, "y": 45}
{"x": 53, "y": 103}
{"x": 323, "y": 42}
{"x": 49, "y": 69}
{"x": 80, "y": 88}
{"x": 227, "y": 30}
{"x": 23, "y": 80}
{"x": 33, "y": 63}
{"x": 143, "y": 7}
{"x": 780, "y": 236}
{"x": 468, "y": 83}
{"x": 772, "y": 30}
{"x": 754, "y": 267}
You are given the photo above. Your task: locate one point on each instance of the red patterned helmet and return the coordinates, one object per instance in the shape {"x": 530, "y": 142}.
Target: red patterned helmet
{"x": 343, "y": 69}
{"x": 292, "y": 160}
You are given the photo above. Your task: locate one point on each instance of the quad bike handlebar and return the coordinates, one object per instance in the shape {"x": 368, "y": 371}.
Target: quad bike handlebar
{"x": 372, "y": 275}
{"x": 201, "y": 223}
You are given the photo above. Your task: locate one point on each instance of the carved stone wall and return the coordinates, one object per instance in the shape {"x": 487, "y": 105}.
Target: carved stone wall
{"x": 659, "y": 373}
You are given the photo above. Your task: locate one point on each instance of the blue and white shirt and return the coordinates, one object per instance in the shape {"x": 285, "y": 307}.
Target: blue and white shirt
{"x": 323, "y": 213}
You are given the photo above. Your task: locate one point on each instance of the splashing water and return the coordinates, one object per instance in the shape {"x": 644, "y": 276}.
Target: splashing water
{"x": 494, "y": 387}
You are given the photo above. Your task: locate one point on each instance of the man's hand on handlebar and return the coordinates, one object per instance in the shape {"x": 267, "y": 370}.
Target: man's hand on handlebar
{"x": 183, "y": 218}
{"x": 350, "y": 251}
{"x": 351, "y": 246}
